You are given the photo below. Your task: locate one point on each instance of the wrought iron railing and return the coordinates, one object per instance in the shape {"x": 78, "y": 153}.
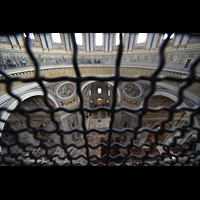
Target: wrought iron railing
{"x": 17, "y": 158}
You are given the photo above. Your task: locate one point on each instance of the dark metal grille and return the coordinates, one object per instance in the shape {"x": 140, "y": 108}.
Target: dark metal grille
{"x": 189, "y": 158}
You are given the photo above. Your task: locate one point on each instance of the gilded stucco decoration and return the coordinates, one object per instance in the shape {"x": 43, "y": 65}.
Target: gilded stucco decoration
{"x": 81, "y": 59}
{"x": 108, "y": 59}
{"x": 126, "y": 59}
{"x": 128, "y": 101}
{"x": 50, "y": 58}
{"x": 62, "y": 58}
{"x": 89, "y": 59}
{"x": 136, "y": 58}
{"x": 68, "y": 102}
{"x": 40, "y": 58}
{"x": 101, "y": 58}
{"x": 24, "y": 59}
{"x": 156, "y": 58}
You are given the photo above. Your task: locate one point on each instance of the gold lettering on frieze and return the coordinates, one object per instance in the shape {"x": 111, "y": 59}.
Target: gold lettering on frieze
{"x": 123, "y": 71}
{"x": 129, "y": 72}
{"x": 59, "y": 74}
{"x": 51, "y": 74}
{"x": 43, "y": 74}
{"x": 82, "y": 71}
{"x": 64, "y": 72}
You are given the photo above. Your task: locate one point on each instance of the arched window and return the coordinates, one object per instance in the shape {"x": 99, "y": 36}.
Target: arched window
{"x": 79, "y": 38}
{"x": 56, "y": 37}
{"x": 141, "y": 38}
{"x": 117, "y": 39}
{"x": 99, "y": 90}
{"x": 99, "y": 39}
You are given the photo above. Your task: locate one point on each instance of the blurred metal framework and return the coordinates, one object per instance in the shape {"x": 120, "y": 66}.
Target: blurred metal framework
{"x": 192, "y": 157}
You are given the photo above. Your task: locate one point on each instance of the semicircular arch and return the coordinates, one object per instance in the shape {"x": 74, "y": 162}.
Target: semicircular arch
{"x": 13, "y": 103}
{"x": 173, "y": 97}
{"x": 108, "y": 82}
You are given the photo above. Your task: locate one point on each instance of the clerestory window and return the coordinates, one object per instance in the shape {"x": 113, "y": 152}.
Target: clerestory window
{"x": 56, "y": 37}
{"x": 79, "y": 38}
{"x": 99, "y": 39}
{"x": 141, "y": 38}
{"x": 99, "y": 90}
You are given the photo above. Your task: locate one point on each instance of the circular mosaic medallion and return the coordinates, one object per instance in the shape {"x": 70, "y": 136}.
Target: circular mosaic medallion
{"x": 132, "y": 90}
{"x": 66, "y": 90}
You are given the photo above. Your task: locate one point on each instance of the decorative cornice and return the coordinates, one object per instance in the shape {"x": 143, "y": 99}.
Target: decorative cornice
{"x": 164, "y": 71}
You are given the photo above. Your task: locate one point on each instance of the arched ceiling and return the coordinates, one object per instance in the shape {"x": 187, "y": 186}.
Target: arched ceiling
{"x": 158, "y": 100}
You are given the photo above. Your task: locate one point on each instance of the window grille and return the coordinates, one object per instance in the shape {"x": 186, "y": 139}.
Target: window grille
{"x": 182, "y": 158}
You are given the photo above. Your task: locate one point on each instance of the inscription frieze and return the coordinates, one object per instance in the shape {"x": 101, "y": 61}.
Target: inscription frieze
{"x": 69, "y": 71}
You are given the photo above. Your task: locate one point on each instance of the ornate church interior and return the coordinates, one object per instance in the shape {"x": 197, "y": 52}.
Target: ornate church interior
{"x": 22, "y": 144}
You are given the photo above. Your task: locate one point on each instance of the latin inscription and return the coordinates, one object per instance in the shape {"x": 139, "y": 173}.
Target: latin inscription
{"x": 71, "y": 72}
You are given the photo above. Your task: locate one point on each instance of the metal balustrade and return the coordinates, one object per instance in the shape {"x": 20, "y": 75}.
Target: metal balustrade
{"x": 181, "y": 158}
